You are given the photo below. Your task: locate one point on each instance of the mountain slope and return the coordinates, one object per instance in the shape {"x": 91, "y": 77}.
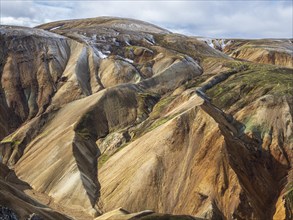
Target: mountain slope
{"x": 107, "y": 113}
{"x": 267, "y": 51}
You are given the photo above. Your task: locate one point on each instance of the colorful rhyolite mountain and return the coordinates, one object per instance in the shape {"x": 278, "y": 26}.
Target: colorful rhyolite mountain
{"x": 103, "y": 115}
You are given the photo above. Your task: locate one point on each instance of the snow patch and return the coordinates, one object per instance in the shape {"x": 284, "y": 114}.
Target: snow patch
{"x": 218, "y": 44}
{"x": 150, "y": 40}
{"x": 101, "y": 55}
{"x": 128, "y": 60}
{"x": 54, "y": 28}
{"x": 210, "y": 43}
{"x": 127, "y": 43}
{"x": 125, "y": 59}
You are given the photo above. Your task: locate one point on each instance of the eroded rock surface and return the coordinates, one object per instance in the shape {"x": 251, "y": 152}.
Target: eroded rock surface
{"x": 106, "y": 113}
{"x": 267, "y": 51}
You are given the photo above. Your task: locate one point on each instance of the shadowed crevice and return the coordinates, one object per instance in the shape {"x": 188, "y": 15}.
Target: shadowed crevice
{"x": 248, "y": 159}
{"x": 86, "y": 152}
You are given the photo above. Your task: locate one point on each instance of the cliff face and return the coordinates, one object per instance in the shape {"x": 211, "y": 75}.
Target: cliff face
{"x": 107, "y": 113}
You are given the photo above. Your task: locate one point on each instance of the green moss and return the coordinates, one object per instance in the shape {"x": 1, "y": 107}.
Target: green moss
{"x": 180, "y": 44}
{"x": 44, "y": 133}
{"x": 236, "y": 65}
{"x": 11, "y": 140}
{"x": 155, "y": 118}
{"x": 196, "y": 81}
{"x": 145, "y": 102}
{"x": 258, "y": 130}
{"x": 153, "y": 125}
{"x": 102, "y": 160}
{"x": 130, "y": 48}
{"x": 289, "y": 198}
{"x": 158, "y": 122}
{"x": 289, "y": 187}
{"x": 105, "y": 157}
{"x": 251, "y": 82}
{"x": 161, "y": 106}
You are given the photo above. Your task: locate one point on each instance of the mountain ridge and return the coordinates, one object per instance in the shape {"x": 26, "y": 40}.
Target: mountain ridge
{"x": 97, "y": 116}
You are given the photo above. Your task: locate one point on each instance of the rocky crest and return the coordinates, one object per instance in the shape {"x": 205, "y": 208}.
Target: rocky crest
{"x": 103, "y": 113}
{"x": 268, "y": 51}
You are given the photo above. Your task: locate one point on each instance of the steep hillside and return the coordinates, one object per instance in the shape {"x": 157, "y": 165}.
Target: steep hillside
{"x": 103, "y": 113}
{"x": 268, "y": 51}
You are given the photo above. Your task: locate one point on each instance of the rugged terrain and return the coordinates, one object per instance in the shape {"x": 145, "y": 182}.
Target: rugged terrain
{"x": 103, "y": 113}
{"x": 268, "y": 51}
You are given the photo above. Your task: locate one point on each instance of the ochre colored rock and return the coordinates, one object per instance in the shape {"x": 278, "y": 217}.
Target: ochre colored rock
{"x": 102, "y": 113}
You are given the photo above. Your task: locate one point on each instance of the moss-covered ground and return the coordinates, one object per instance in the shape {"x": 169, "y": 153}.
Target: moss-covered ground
{"x": 250, "y": 83}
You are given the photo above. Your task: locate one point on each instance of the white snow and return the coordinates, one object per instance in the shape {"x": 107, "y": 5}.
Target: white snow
{"x": 128, "y": 60}
{"x": 210, "y": 43}
{"x": 125, "y": 59}
{"x": 101, "y": 55}
{"x": 223, "y": 44}
{"x": 216, "y": 43}
{"x": 94, "y": 37}
{"x": 150, "y": 40}
{"x": 55, "y": 28}
{"x": 127, "y": 43}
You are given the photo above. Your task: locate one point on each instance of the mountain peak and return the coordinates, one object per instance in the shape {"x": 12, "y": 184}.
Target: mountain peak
{"x": 125, "y": 24}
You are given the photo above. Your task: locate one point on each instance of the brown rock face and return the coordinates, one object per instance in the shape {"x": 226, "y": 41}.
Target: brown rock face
{"x": 33, "y": 64}
{"x": 107, "y": 113}
{"x": 276, "y": 52}
{"x": 12, "y": 195}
